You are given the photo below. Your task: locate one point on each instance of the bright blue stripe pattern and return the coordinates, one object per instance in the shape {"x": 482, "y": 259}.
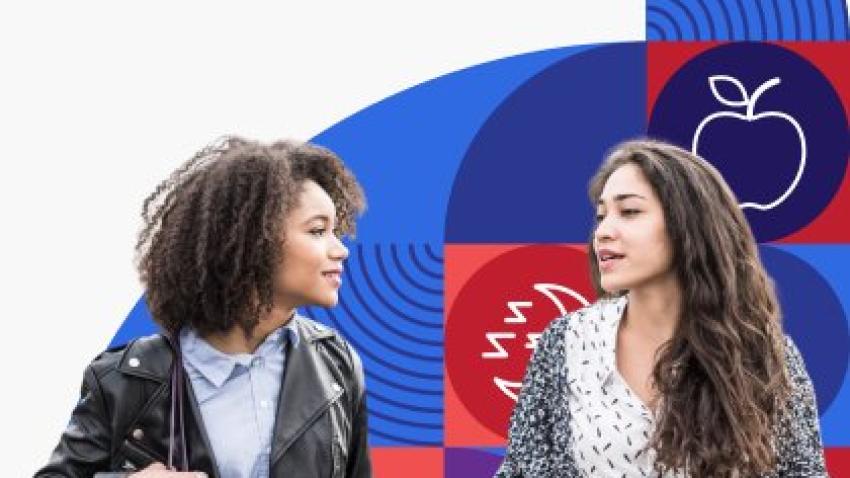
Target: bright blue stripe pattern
{"x": 747, "y": 20}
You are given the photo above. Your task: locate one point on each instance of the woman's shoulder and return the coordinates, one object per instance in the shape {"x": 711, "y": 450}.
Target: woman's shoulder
{"x": 795, "y": 364}
{"x": 793, "y": 358}
{"x": 331, "y": 342}
{"x": 589, "y": 319}
{"x": 313, "y": 331}
{"x": 149, "y": 356}
{"x": 589, "y": 324}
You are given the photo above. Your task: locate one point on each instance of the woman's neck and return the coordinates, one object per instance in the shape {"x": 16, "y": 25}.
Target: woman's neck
{"x": 235, "y": 341}
{"x": 654, "y": 310}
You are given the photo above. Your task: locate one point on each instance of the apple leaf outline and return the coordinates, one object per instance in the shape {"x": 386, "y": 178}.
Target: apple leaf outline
{"x": 715, "y": 80}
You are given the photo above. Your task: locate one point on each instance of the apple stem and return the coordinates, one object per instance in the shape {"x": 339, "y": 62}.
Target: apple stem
{"x": 751, "y": 106}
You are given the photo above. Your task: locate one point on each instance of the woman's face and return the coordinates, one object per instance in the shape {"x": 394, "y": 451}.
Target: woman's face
{"x": 311, "y": 271}
{"x": 633, "y": 249}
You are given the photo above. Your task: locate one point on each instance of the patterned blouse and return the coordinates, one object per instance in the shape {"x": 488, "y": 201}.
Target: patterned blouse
{"x": 576, "y": 417}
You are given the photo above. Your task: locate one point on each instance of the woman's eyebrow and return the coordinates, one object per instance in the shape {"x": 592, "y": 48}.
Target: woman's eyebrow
{"x": 320, "y": 217}
{"x": 622, "y": 197}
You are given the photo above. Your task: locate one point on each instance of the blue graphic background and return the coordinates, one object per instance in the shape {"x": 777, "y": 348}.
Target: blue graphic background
{"x": 746, "y": 20}
{"x": 501, "y": 153}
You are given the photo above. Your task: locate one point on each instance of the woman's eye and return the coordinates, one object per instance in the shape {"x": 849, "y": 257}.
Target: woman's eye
{"x": 317, "y": 232}
{"x": 630, "y": 212}
{"x": 599, "y": 218}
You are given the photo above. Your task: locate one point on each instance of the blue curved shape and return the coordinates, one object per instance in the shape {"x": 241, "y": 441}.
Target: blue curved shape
{"x": 658, "y": 35}
{"x": 700, "y": 24}
{"x": 393, "y": 384}
{"x": 825, "y": 10}
{"x": 398, "y": 313}
{"x": 770, "y": 20}
{"x": 402, "y": 421}
{"x": 562, "y": 122}
{"x": 728, "y": 32}
{"x": 823, "y": 334}
{"x": 756, "y": 14}
{"x": 433, "y": 255}
{"x": 413, "y": 401}
{"x": 368, "y": 353}
{"x": 377, "y": 319}
{"x": 815, "y": 319}
{"x": 393, "y": 439}
{"x": 405, "y": 406}
{"x": 820, "y": 22}
{"x": 398, "y": 292}
{"x": 666, "y": 16}
{"x": 684, "y": 17}
{"x": 419, "y": 265}
{"x": 440, "y": 117}
{"x": 842, "y": 29}
{"x": 376, "y": 291}
{"x": 712, "y": 31}
{"x": 137, "y": 324}
{"x": 742, "y": 17}
{"x": 781, "y": 18}
{"x": 410, "y": 280}
{"x": 807, "y": 21}
{"x": 795, "y": 17}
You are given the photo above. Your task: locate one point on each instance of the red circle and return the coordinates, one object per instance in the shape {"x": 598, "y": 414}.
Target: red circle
{"x": 517, "y": 277}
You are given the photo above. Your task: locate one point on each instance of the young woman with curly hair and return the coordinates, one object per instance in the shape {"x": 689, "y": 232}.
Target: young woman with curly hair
{"x": 681, "y": 368}
{"x": 237, "y": 384}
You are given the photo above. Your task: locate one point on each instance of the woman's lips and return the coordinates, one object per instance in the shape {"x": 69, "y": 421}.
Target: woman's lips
{"x": 609, "y": 260}
{"x": 335, "y": 277}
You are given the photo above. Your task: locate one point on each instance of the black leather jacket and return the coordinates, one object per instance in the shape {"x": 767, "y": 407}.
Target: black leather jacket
{"x": 121, "y": 422}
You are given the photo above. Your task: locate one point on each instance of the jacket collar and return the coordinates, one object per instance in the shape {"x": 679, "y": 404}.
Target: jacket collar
{"x": 591, "y": 353}
{"x": 308, "y": 388}
{"x": 148, "y": 357}
{"x": 144, "y": 357}
{"x": 216, "y": 366}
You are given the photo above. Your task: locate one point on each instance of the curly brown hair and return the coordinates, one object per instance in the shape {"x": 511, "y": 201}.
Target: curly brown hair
{"x": 721, "y": 377}
{"x": 212, "y": 234}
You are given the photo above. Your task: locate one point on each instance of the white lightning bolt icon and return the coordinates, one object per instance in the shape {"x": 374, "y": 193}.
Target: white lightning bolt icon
{"x": 518, "y": 317}
{"x": 499, "y": 351}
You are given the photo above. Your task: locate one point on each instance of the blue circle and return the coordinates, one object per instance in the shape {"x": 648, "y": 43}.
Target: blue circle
{"x": 814, "y": 318}
{"x": 760, "y": 154}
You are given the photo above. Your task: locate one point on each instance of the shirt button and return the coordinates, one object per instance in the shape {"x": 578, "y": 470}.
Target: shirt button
{"x": 133, "y": 362}
{"x": 138, "y": 434}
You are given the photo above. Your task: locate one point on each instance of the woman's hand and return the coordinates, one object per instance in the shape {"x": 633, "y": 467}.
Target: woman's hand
{"x": 158, "y": 470}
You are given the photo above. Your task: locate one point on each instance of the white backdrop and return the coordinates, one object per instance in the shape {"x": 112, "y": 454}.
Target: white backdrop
{"x": 100, "y": 100}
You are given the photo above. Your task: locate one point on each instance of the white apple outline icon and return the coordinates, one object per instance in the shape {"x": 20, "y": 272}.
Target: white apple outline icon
{"x": 511, "y": 388}
{"x": 750, "y": 103}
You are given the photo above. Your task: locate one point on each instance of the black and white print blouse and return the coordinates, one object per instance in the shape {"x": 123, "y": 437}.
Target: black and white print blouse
{"x": 577, "y": 417}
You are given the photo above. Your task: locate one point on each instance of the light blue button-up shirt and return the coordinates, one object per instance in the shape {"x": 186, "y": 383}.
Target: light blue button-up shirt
{"x": 237, "y": 395}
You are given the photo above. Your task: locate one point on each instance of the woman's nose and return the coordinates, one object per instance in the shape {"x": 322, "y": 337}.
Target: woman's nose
{"x": 338, "y": 249}
{"x": 604, "y": 230}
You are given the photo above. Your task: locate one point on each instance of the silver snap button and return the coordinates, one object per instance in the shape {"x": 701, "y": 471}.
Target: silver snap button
{"x": 133, "y": 362}
{"x": 138, "y": 434}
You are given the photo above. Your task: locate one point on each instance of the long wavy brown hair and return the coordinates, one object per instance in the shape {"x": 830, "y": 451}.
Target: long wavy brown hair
{"x": 213, "y": 231}
{"x": 721, "y": 377}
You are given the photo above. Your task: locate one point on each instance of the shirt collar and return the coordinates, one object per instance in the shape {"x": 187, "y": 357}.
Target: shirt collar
{"x": 611, "y": 314}
{"x": 217, "y": 366}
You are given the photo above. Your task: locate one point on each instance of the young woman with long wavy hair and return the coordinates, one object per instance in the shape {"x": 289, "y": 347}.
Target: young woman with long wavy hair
{"x": 681, "y": 368}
